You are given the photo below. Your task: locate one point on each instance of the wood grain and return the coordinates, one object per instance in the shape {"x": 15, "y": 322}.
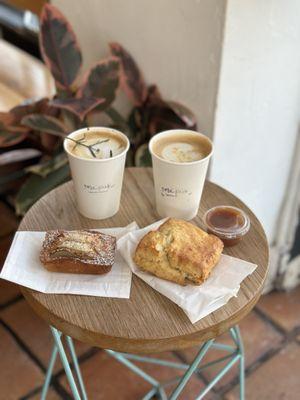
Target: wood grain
{"x": 147, "y": 322}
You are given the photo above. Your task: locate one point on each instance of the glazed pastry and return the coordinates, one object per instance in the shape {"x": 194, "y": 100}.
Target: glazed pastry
{"x": 80, "y": 252}
{"x": 179, "y": 251}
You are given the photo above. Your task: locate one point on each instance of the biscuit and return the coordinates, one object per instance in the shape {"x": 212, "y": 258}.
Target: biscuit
{"x": 179, "y": 252}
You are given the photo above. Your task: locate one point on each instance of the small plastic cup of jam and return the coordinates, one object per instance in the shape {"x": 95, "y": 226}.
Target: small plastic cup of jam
{"x": 230, "y": 224}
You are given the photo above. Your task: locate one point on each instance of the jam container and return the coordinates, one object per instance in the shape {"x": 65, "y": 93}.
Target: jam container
{"x": 230, "y": 224}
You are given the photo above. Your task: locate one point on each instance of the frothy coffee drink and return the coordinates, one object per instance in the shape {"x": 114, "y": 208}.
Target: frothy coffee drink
{"x": 182, "y": 148}
{"x": 99, "y": 145}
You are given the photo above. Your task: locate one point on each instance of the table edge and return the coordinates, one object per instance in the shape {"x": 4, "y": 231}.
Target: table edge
{"x": 145, "y": 345}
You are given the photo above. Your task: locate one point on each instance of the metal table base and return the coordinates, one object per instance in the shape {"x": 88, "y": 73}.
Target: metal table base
{"x": 235, "y": 354}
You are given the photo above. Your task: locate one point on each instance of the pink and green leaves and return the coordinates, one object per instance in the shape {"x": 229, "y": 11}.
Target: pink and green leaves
{"x": 11, "y": 137}
{"x": 151, "y": 113}
{"x": 102, "y": 81}
{"x": 44, "y": 123}
{"x": 62, "y": 55}
{"x": 10, "y": 133}
{"x": 59, "y": 47}
{"x": 131, "y": 78}
{"x": 78, "y": 106}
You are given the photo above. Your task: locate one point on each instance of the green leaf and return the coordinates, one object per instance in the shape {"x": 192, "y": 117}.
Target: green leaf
{"x": 59, "y": 46}
{"x": 135, "y": 120}
{"x": 10, "y": 138}
{"x": 165, "y": 116}
{"x": 130, "y": 158}
{"x": 80, "y": 106}
{"x": 102, "y": 82}
{"x": 30, "y": 106}
{"x": 44, "y": 123}
{"x": 119, "y": 121}
{"x": 45, "y": 168}
{"x": 36, "y": 186}
{"x": 142, "y": 156}
{"x": 184, "y": 113}
{"x": 132, "y": 80}
{"x": 154, "y": 96}
{"x": 9, "y": 178}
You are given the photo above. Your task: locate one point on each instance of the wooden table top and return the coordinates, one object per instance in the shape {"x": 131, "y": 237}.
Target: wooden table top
{"x": 147, "y": 322}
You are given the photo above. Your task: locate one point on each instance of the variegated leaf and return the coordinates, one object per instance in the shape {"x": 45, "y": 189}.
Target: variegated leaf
{"x": 44, "y": 123}
{"x": 132, "y": 80}
{"x": 59, "y": 46}
{"x": 80, "y": 106}
{"x": 45, "y": 168}
{"x": 102, "y": 81}
{"x": 11, "y": 138}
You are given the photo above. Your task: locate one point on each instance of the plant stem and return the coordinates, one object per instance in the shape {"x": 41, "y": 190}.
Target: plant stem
{"x": 85, "y": 145}
{"x": 90, "y": 147}
{"x": 92, "y": 152}
{"x": 77, "y": 142}
{"x": 100, "y": 141}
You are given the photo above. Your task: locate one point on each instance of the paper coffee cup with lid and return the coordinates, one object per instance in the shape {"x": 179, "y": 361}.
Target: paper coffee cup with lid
{"x": 180, "y": 160}
{"x": 97, "y": 159}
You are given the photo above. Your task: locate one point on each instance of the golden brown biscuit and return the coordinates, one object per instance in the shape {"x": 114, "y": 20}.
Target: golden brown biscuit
{"x": 179, "y": 251}
{"x": 81, "y": 252}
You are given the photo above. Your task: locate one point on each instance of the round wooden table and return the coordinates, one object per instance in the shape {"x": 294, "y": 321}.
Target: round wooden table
{"x": 147, "y": 322}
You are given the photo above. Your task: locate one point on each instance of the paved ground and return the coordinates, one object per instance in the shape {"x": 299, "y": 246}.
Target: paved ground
{"x": 271, "y": 336}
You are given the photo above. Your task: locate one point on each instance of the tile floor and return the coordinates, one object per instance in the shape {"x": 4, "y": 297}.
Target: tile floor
{"x": 271, "y": 336}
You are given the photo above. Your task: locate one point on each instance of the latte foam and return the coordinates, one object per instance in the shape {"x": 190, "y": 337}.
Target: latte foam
{"x": 182, "y": 148}
{"x": 100, "y": 145}
{"x": 181, "y": 152}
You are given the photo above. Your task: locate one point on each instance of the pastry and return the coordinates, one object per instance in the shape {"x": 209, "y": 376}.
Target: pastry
{"x": 80, "y": 252}
{"x": 179, "y": 251}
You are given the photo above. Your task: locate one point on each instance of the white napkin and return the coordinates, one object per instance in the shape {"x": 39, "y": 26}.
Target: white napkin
{"x": 196, "y": 301}
{"x": 22, "y": 266}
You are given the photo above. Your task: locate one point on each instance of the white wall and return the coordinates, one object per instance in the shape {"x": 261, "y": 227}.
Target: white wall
{"x": 177, "y": 43}
{"x": 257, "y": 116}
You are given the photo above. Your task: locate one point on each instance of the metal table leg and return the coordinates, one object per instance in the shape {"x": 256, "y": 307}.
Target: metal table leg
{"x": 190, "y": 371}
{"x": 59, "y": 349}
{"x": 235, "y": 354}
{"x": 49, "y": 373}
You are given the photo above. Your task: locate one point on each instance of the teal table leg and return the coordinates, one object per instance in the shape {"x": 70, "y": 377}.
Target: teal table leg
{"x": 189, "y": 372}
{"x": 64, "y": 359}
{"x": 219, "y": 376}
{"x": 242, "y": 362}
{"x": 235, "y": 354}
{"x": 49, "y": 373}
{"x": 76, "y": 366}
{"x": 156, "y": 390}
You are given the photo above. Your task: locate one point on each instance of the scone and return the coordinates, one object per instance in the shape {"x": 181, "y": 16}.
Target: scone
{"x": 179, "y": 251}
{"x": 80, "y": 252}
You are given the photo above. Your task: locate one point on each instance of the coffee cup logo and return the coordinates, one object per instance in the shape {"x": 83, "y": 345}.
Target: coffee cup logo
{"x": 98, "y": 188}
{"x": 172, "y": 192}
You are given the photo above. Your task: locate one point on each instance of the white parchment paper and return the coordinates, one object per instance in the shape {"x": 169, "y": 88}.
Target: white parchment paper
{"x": 22, "y": 266}
{"x": 196, "y": 301}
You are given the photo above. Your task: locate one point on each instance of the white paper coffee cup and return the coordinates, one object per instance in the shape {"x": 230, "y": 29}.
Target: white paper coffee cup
{"x": 178, "y": 186}
{"x": 97, "y": 182}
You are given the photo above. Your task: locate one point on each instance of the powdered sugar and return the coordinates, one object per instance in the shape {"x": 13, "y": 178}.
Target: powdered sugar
{"x": 83, "y": 246}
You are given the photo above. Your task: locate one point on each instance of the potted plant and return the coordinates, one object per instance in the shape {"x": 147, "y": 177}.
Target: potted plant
{"x": 41, "y": 124}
